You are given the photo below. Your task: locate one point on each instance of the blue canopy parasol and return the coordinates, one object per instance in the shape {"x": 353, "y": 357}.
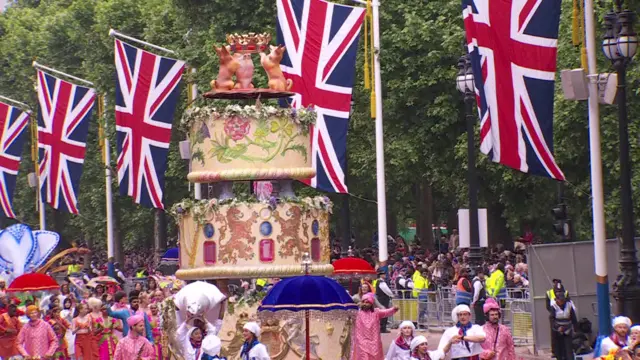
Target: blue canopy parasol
{"x": 317, "y": 294}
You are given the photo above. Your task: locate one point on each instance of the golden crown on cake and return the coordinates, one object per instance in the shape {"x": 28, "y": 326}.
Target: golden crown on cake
{"x": 248, "y": 43}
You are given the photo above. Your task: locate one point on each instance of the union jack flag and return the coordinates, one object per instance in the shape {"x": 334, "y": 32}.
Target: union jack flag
{"x": 13, "y": 123}
{"x": 321, "y": 40}
{"x": 63, "y": 123}
{"x": 513, "y": 46}
{"x": 146, "y": 95}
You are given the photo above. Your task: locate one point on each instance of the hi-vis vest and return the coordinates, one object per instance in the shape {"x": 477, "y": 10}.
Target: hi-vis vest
{"x": 462, "y": 295}
{"x": 495, "y": 285}
{"x": 551, "y": 293}
{"x": 72, "y": 269}
{"x": 420, "y": 283}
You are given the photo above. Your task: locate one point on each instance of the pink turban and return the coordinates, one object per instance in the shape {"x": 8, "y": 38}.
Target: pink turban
{"x": 368, "y": 297}
{"x": 489, "y": 305}
{"x": 131, "y": 321}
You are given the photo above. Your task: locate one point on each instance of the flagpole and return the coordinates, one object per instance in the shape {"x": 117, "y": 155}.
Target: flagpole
{"x": 599, "y": 236}
{"x": 36, "y": 165}
{"x": 114, "y": 33}
{"x": 43, "y": 220}
{"x": 58, "y": 72}
{"x": 380, "y": 181}
{"x": 381, "y": 190}
{"x": 25, "y": 106}
{"x": 108, "y": 195}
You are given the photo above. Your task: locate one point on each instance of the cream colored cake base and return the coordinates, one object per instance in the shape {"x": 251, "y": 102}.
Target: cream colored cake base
{"x": 285, "y": 340}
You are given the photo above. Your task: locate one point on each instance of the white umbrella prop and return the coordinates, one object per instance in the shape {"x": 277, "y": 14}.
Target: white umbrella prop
{"x": 199, "y": 299}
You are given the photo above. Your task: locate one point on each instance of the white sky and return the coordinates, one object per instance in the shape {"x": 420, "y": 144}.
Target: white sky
{"x": 2, "y": 4}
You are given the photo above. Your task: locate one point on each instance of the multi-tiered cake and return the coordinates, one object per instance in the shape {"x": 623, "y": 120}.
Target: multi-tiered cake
{"x": 265, "y": 234}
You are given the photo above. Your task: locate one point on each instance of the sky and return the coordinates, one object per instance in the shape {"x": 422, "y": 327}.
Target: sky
{"x": 2, "y": 4}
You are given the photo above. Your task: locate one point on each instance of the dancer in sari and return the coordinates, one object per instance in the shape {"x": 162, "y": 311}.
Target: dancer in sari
{"x": 82, "y": 329}
{"x": 60, "y": 327}
{"x": 10, "y": 326}
{"x": 156, "y": 329}
{"x": 97, "y": 322}
{"x": 67, "y": 314}
{"x": 107, "y": 339}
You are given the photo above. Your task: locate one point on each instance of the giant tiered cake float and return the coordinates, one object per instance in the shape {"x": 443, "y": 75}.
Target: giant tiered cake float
{"x": 265, "y": 234}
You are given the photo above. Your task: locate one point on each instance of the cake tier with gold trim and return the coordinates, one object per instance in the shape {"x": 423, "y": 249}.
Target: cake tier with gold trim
{"x": 285, "y": 339}
{"x": 249, "y": 143}
{"x": 249, "y": 239}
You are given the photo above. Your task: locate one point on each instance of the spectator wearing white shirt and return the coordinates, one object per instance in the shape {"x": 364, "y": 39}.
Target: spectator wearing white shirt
{"x": 384, "y": 296}
{"x": 479, "y": 296}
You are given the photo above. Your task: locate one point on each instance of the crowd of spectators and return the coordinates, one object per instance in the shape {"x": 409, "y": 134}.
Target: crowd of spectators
{"x": 442, "y": 265}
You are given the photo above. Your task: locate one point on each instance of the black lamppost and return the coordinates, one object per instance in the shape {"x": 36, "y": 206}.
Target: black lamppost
{"x": 619, "y": 45}
{"x": 465, "y": 84}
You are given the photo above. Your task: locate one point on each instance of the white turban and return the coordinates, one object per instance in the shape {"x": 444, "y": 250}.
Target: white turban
{"x": 253, "y": 327}
{"x": 458, "y": 309}
{"x": 406, "y": 323}
{"x": 635, "y": 327}
{"x": 618, "y": 320}
{"x": 211, "y": 345}
{"x": 416, "y": 341}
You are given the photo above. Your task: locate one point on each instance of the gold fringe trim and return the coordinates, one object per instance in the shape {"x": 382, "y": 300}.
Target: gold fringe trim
{"x": 235, "y": 271}
{"x": 369, "y": 58}
{"x": 251, "y": 174}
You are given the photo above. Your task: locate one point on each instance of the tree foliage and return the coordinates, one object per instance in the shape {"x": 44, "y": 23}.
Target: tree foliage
{"x": 423, "y": 113}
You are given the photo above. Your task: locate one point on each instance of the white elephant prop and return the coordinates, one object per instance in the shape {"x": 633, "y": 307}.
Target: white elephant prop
{"x": 23, "y": 250}
{"x": 199, "y": 299}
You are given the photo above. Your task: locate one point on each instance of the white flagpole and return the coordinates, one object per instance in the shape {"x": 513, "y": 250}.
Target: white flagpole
{"x": 108, "y": 194}
{"x": 58, "y": 72}
{"x": 16, "y": 102}
{"x": 599, "y": 236}
{"x": 114, "y": 33}
{"x": 197, "y": 187}
{"x": 43, "y": 220}
{"x": 381, "y": 190}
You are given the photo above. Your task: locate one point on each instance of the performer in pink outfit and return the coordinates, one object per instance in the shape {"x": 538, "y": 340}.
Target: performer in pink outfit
{"x": 366, "y": 343}
{"x": 498, "y": 343}
{"x": 156, "y": 329}
{"x": 37, "y": 338}
{"x": 135, "y": 345}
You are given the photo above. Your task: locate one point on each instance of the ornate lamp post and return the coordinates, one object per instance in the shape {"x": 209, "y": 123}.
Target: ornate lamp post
{"x": 465, "y": 84}
{"x": 619, "y": 45}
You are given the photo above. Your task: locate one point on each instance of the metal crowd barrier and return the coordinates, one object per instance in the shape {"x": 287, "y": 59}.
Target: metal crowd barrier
{"x": 431, "y": 310}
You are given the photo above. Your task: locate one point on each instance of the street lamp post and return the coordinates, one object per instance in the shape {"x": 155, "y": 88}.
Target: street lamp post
{"x": 619, "y": 45}
{"x": 464, "y": 83}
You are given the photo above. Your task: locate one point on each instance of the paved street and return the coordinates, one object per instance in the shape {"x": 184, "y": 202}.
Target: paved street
{"x": 523, "y": 352}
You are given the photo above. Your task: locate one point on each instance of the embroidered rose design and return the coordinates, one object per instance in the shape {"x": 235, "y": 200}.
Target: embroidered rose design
{"x": 236, "y": 127}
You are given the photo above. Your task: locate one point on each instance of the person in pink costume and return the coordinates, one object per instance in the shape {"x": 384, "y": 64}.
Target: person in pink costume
{"x": 135, "y": 346}
{"x": 498, "y": 344}
{"x": 156, "y": 329}
{"x": 37, "y": 339}
{"x": 366, "y": 343}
